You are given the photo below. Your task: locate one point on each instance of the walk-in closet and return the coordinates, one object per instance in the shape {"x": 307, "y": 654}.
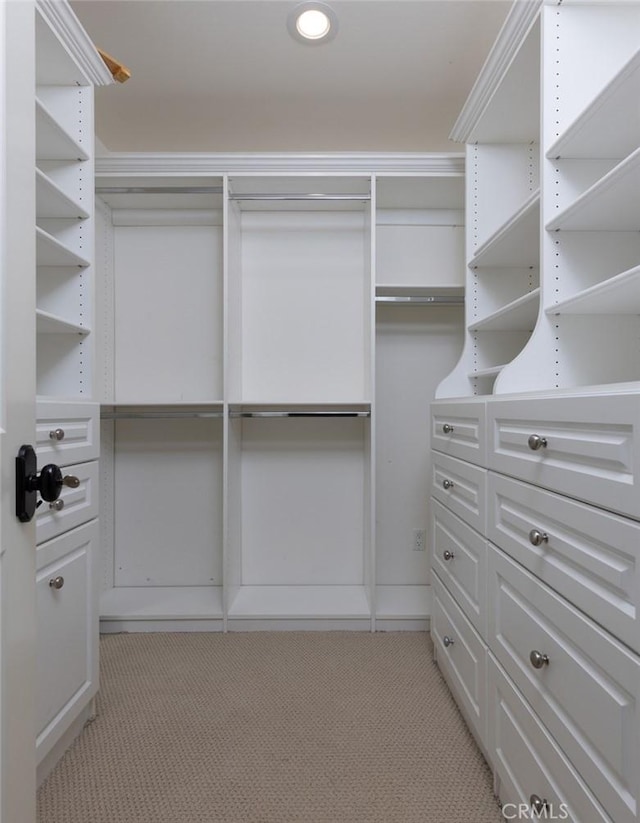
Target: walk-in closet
{"x": 319, "y": 411}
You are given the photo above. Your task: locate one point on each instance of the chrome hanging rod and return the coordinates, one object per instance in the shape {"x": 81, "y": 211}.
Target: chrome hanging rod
{"x": 423, "y": 300}
{"x": 158, "y": 189}
{"x": 177, "y": 415}
{"x": 273, "y": 414}
{"x": 293, "y": 196}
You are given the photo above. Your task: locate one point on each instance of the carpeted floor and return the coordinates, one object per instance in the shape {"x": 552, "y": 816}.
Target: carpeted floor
{"x": 271, "y": 728}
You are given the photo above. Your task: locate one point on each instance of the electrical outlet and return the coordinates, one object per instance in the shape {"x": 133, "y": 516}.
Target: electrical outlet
{"x": 419, "y": 540}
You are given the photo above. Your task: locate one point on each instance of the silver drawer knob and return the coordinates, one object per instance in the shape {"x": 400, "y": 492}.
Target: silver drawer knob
{"x": 537, "y": 538}
{"x": 447, "y": 428}
{"x": 538, "y": 660}
{"x": 447, "y": 484}
{"x": 536, "y": 442}
{"x": 57, "y": 505}
{"x": 447, "y": 554}
{"x": 57, "y": 434}
{"x": 57, "y": 582}
{"x": 447, "y": 641}
{"x": 538, "y": 805}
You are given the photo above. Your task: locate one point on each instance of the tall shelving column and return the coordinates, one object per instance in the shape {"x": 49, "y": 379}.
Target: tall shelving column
{"x": 419, "y": 276}
{"x": 161, "y": 245}
{"x": 299, "y": 394}
{"x": 67, "y": 68}
{"x": 501, "y": 126}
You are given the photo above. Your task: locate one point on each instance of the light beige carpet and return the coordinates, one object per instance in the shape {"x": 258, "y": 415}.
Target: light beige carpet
{"x": 336, "y": 727}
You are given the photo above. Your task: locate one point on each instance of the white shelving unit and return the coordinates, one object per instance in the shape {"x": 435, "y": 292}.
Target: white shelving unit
{"x": 299, "y": 368}
{"x": 502, "y": 130}
{"x": 67, "y": 68}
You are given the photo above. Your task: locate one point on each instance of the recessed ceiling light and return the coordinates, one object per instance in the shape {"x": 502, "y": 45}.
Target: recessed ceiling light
{"x": 312, "y": 23}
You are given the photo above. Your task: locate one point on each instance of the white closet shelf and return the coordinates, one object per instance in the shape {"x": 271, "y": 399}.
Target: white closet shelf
{"x": 611, "y": 204}
{"x": 170, "y": 408}
{"x": 53, "y": 202}
{"x": 519, "y": 315}
{"x": 51, "y": 252}
{"x": 161, "y": 603}
{"x": 617, "y": 295}
{"x": 300, "y": 602}
{"x": 516, "y": 242}
{"x": 47, "y": 323}
{"x": 403, "y": 602}
{"x": 53, "y": 141}
{"x": 605, "y": 128}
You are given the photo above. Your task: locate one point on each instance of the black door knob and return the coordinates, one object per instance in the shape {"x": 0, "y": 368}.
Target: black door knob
{"x": 28, "y": 483}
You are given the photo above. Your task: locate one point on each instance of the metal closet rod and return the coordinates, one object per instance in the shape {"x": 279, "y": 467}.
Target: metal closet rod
{"x": 283, "y": 413}
{"x": 177, "y": 415}
{"x": 294, "y": 196}
{"x": 158, "y": 189}
{"x": 219, "y": 190}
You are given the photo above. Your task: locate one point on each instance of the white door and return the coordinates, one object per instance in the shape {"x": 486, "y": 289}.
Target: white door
{"x": 17, "y": 409}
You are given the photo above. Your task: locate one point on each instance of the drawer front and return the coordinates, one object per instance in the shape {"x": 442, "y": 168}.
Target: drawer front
{"x": 587, "y": 691}
{"x": 458, "y": 429}
{"x": 588, "y": 555}
{"x": 460, "y": 559}
{"x": 67, "y": 633}
{"x": 67, "y": 433}
{"x": 529, "y": 763}
{"x": 78, "y": 505}
{"x": 592, "y": 451}
{"x": 461, "y": 487}
{"x": 461, "y": 656}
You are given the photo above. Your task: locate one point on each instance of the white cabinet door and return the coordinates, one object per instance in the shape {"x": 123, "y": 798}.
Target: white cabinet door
{"x": 583, "y": 685}
{"x": 458, "y": 429}
{"x": 462, "y": 657}
{"x": 528, "y": 763}
{"x": 588, "y": 555}
{"x": 17, "y": 410}
{"x": 461, "y": 487}
{"x": 587, "y": 447}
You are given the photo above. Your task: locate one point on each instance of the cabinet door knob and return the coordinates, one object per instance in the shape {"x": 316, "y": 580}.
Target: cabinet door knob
{"x": 447, "y": 641}
{"x": 57, "y": 582}
{"x": 447, "y": 484}
{"x": 447, "y": 428}
{"x": 57, "y": 505}
{"x": 71, "y": 481}
{"x": 538, "y": 805}
{"x": 538, "y": 660}
{"x": 447, "y": 554}
{"x": 537, "y": 538}
{"x": 536, "y": 442}
{"x": 56, "y": 434}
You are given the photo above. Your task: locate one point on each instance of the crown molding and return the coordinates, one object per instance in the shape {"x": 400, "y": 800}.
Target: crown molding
{"x": 521, "y": 17}
{"x": 59, "y": 16}
{"x": 152, "y": 164}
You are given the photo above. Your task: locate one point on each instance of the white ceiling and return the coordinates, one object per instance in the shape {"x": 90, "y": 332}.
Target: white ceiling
{"x": 225, "y": 75}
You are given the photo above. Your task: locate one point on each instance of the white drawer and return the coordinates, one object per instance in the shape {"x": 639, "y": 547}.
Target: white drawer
{"x": 588, "y": 555}
{"x": 458, "y": 429}
{"x": 460, "y": 559}
{"x": 462, "y": 658}
{"x": 592, "y": 449}
{"x": 78, "y": 505}
{"x": 461, "y": 487}
{"x": 586, "y": 694}
{"x": 77, "y": 426}
{"x": 528, "y": 762}
{"x": 67, "y": 633}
